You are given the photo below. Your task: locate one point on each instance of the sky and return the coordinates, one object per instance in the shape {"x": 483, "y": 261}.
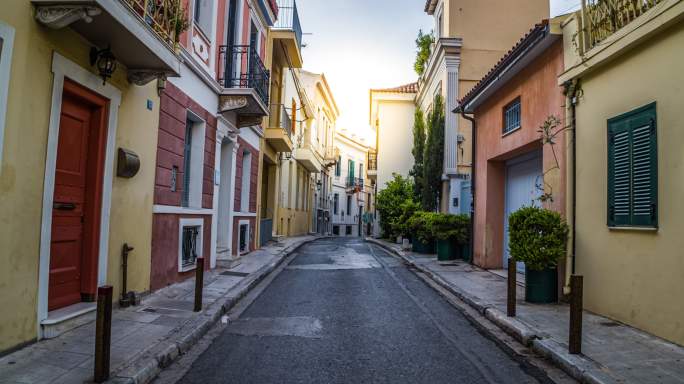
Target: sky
{"x": 364, "y": 44}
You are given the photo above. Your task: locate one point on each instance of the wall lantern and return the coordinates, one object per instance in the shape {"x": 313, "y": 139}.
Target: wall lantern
{"x": 105, "y": 62}
{"x": 128, "y": 163}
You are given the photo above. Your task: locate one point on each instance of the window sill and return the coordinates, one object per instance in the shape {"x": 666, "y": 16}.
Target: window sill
{"x": 512, "y": 131}
{"x": 187, "y": 268}
{"x": 634, "y": 229}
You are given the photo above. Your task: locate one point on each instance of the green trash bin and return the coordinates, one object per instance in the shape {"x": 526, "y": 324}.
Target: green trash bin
{"x": 448, "y": 250}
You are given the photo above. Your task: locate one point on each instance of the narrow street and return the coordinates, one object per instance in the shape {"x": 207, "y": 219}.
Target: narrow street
{"x": 344, "y": 311}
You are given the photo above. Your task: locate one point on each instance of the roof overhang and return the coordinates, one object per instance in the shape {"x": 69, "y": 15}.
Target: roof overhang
{"x": 526, "y": 52}
{"x": 430, "y": 6}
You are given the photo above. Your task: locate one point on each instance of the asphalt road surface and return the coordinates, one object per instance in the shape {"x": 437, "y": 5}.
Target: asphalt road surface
{"x": 344, "y": 311}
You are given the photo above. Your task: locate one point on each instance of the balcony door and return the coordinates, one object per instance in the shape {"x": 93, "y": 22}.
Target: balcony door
{"x": 232, "y": 66}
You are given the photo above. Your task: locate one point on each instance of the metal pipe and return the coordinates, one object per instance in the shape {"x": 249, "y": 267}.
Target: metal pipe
{"x": 473, "y": 174}
{"x": 125, "y": 300}
{"x": 199, "y": 283}
{"x": 571, "y": 175}
{"x": 103, "y": 333}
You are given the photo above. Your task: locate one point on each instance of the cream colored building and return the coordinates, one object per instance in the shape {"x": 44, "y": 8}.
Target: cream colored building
{"x": 48, "y": 89}
{"x": 627, "y": 93}
{"x": 352, "y": 193}
{"x": 470, "y": 37}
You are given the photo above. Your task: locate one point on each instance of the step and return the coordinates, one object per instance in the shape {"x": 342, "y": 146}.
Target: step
{"x": 65, "y": 319}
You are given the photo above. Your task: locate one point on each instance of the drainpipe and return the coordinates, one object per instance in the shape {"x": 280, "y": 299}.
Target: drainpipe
{"x": 473, "y": 173}
{"x": 571, "y": 90}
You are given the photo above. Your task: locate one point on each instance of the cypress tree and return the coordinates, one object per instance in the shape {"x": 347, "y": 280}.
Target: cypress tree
{"x": 433, "y": 159}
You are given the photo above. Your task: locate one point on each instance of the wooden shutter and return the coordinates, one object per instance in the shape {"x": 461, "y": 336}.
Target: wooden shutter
{"x": 633, "y": 169}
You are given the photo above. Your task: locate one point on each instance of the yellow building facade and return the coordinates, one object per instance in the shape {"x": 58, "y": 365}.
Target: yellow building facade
{"x": 627, "y": 95}
{"x": 45, "y": 57}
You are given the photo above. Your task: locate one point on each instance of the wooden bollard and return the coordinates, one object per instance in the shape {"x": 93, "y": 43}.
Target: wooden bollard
{"x": 575, "y": 339}
{"x": 103, "y": 333}
{"x": 199, "y": 283}
{"x": 512, "y": 287}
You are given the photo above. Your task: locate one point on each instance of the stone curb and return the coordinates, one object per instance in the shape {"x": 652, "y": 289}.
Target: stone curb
{"x": 579, "y": 367}
{"x": 145, "y": 366}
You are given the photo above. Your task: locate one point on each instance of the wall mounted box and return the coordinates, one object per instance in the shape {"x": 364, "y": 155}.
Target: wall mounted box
{"x": 128, "y": 163}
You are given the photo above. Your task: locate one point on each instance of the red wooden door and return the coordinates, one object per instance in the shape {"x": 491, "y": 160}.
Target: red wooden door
{"x": 75, "y": 211}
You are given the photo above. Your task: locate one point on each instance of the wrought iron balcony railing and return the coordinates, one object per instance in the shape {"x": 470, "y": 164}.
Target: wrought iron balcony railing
{"x": 280, "y": 118}
{"x": 243, "y": 68}
{"x": 165, "y": 17}
{"x": 602, "y": 18}
{"x": 355, "y": 182}
{"x": 288, "y": 18}
{"x": 372, "y": 161}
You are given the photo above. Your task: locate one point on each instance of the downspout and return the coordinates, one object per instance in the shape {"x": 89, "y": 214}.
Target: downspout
{"x": 571, "y": 90}
{"x": 473, "y": 173}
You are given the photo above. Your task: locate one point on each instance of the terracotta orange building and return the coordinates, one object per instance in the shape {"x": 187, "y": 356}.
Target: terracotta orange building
{"x": 514, "y": 167}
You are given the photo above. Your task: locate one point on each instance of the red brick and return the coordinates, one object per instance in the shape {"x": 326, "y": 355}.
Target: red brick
{"x": 168, "y": 160}
{"x": 169, "y": 124}
{"x": 171, "y": 143}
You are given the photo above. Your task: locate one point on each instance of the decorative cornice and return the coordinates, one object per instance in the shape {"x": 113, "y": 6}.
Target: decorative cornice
{"x": 232, "y": 102}
{"x": 60, "y": 16}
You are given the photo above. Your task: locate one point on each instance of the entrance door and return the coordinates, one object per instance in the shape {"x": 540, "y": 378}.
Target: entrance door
{"x": 77, "y": 198}
{"x": 522, "y": 175}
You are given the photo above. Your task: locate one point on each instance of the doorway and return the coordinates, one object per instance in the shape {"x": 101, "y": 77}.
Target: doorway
{"x": 77, "y": 197}
{"x": 522, "y": 175}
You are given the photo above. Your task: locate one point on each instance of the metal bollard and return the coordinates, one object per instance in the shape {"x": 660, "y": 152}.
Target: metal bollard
{"x": 199, "y": 283}
{"x": 103, "y": 333}
{"x": 575, "y": 339}
{"x": 512, "y": 286}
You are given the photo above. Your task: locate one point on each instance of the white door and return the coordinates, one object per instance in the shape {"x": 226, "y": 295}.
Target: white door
{"x": 523, "y": 188}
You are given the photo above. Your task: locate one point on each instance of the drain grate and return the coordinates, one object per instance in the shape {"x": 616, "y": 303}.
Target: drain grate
{"x": 610, "y": 324}
{"x": 234, "y": 273}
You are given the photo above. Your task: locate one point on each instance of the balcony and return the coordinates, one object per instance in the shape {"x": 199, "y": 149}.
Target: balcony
{"x": 288, "y": 31}
{"x": 279, "y": 131}
{"x": 308, "y": 158}
{"x": 372, "y": 170}
{"x": 245, "y": 82}
{"x": 354, "y": 184}
{"x": 602, "y": 18}
{"x": 140, "y": 33}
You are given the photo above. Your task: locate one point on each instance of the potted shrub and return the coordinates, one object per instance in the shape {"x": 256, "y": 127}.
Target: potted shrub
{"x": 538, "y": 237}
{"x": 453, "y": 236}
{"x": 419, "y": 225}
{"x": 400, "y": 224}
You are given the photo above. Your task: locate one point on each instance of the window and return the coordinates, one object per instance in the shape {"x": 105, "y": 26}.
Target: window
{"x": 633, "y": 169}
{"x": 349, "y": 201}
{"x": 348, "y": 230}
{"x": 190, "y": 237}
{"x": 338, "y": 166}
{"x": 361, "y": 170}
{"x": 336, "y": 203}
{"x": 6, "y": 44}
{"x": 336, "y": 230}
{"x": 246, "y": 181}
{"x": 512, "y": 116}
{"x": 203, "y": 15}
{"x": 193, "y": 159}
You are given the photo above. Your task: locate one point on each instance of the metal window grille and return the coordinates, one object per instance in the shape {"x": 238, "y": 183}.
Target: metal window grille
{"x": 512, "y": 116}
{"x": 190, "y": 236}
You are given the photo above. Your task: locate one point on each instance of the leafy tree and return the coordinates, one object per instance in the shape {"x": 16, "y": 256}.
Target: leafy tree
{"x": 389, "y": 203}
{"x": 418, "y": 153}
{"x": 433, "y": 159}
{"x": 424, "y": 44}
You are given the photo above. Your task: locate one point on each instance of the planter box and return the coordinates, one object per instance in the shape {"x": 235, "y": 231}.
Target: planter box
{"x": 541, "y": 286}
{"x": 420, "y": 247}
{"x": 448, "y": 250}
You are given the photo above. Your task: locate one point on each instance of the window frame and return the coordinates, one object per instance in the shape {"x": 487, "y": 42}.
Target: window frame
{"x": 7, "y": 33}
{"x": 191, "y": 194}
{"x": 629, "y": 122}
{"x": 504, "y": 125}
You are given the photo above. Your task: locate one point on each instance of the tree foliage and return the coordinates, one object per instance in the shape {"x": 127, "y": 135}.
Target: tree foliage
{"x": 418, "y": 153}
{"x": 433, "y": 159}
{"x": 423, "y": 45}
{"x": 389, "y": 203}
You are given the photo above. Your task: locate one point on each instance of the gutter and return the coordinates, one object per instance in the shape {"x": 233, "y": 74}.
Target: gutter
{"x": 473, "y": 173}
{"x": 571, "y": 90}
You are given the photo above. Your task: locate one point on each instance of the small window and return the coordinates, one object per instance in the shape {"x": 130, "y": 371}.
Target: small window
{"x": 336, "y": 203}
{"x": 348, "y": 230}
{"x": 190, "y": 247}
{"x": 512, "y": 116}
{"x": 193, "y": 162}
{"x": 349, "y": 203}
{"x": 633, "y": 169}
{"x": 203, "y": 15}
{"x": 336, "y": 230}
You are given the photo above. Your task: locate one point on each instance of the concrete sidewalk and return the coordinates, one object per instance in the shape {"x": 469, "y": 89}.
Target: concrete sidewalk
{"x": 148, "y": 337}
{"x": 612, "y": 352}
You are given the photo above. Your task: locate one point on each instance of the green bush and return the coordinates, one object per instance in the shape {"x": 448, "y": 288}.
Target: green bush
{"x": 451, "y": 227}
{"x": 420, "y": 226}
{"x": 389, "y": 201}
{"x": 538, "y": 237}
{"x": 400, "y": 225}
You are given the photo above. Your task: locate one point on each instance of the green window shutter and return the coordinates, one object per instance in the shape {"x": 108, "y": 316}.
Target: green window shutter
{"x": 633, "y": 169}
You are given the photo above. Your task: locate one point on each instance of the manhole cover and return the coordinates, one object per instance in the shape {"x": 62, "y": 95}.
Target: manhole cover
{"x": 235, "y": 273}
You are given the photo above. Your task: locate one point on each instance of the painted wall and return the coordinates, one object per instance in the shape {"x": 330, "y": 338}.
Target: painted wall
{"x": 23, "y": 170}
{"x": 394, "y": 118}
{"x": 634, "y": 276}
{"x": 540, "y": 97}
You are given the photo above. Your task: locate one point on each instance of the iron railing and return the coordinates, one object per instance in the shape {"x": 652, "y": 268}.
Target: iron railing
{"x": 372, "y": 161}
{"x": 288, "y": 18}
{"x": 281, "y": 119}
{"x": 355, "y": 182}
{"x": 602, "y": 18}
{"x": 189, "y": 245}
{"x": 162, "y": 16}
{"x": 243, "y": 68}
